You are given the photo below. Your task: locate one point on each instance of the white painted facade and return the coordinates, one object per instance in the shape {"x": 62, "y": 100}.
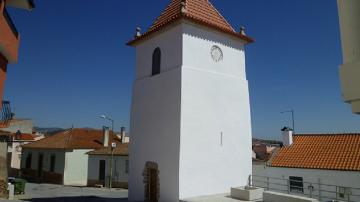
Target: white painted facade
{"x": 193, "y": 119}
{"x": 315, "y": 176}
{"x": 76, "y": 167}
{"x": 120, "y": 172}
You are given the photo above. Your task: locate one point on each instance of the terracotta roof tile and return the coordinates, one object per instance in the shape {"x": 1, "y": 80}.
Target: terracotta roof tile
{"x": 24, "y": 137}
{"x": 120, "y": 150}
{"x": 198, "y": 11}
{"x": 72, "y": 139}
{"x": 321, "y": 151}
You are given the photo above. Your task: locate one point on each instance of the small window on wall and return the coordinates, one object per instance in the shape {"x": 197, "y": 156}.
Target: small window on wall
{"x": 28, "y": 161}
{"x": 296, "y": 184}
{"x": 343, "y": 192}
{"x": 126, "y": 166}
{"x": 156, "y": 62}
{"x": 52, "y": 163}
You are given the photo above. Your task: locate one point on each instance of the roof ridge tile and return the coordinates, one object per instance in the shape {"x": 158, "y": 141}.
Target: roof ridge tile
{"x": 198, "y": 11}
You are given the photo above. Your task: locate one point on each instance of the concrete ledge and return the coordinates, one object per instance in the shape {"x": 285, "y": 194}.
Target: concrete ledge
{"x": 280, "y": 197}
{"x": 247, "y": 193}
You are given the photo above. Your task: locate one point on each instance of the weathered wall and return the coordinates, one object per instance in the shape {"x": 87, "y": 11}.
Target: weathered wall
{"x": 47, "y": 176}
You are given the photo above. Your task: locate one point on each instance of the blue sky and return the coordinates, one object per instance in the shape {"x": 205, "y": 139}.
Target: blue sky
{"x": 74, "y": 64}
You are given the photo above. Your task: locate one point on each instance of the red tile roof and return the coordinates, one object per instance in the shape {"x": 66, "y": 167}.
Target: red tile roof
{"x": 24, "y": 137}
{"x": 72, "y": 139}
{"x": 120, "y": 150}
{"x": 321, "y": 151}
{"x": 198, "y": 11}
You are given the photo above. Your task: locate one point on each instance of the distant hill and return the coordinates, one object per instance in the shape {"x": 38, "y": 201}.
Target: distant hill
{"x": 256, "y": 140}
{"x": 48, "y": 131}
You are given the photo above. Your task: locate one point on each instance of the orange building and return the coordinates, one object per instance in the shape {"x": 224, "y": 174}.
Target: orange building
{"x": 9, "y": 40}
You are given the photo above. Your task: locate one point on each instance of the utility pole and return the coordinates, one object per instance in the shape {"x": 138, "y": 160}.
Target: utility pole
{"x": 113, "y": 146}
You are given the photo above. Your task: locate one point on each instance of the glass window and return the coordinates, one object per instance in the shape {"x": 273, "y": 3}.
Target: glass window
{"x": 296, "y": 184}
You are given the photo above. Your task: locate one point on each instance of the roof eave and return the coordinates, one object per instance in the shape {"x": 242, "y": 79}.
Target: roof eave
{"x": 22, "y": 4}
{"x": 148, "y": 34}
{"x": 304, "y": 167}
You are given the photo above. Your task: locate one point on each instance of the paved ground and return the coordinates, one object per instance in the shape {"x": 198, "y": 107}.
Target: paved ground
{"x": 215, "y": 198}
{"x": 58, "y": 193}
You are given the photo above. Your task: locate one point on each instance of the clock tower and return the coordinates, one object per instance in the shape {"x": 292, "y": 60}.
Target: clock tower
{"x": 190, "y": 116}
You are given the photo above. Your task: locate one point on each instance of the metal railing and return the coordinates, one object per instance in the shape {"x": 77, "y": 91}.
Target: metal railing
{"x": 317, "y": 190}
{"x": 10, "y": 23}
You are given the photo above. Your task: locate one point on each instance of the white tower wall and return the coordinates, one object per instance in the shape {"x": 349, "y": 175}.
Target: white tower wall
{"x": 215, "y": 152}
{"x": 155, "y": 116}
{"x": 193, "y": 119}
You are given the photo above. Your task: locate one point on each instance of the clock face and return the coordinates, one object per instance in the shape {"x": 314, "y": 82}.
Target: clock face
{"x": 216, "y": 53}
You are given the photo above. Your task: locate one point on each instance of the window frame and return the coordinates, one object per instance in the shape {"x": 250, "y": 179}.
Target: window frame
{"x": 296, "y": 184}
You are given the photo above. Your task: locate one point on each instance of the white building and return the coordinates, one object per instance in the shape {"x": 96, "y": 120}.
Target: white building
{"x": 63, "y": 158}
{"x": 15, "y": 148}
{"x": 323, "y": 166}
{"x": 349, "y": 15}
{"x": 190, "y": 118}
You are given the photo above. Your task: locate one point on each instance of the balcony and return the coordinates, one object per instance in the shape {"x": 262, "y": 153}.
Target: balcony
{"x": 9, "y": 40}
{"x": 6, "y": 114}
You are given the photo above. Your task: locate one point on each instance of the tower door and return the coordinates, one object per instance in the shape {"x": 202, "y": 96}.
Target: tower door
{"x": 152, "y": 184}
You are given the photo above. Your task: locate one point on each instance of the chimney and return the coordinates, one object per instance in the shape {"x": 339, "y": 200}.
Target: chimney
{"x": 287, "y": 136}
{"x": 123, "y": 135}
{"x": 106, "y": 136}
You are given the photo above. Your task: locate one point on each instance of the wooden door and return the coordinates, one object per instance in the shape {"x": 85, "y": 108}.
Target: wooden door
{"x": 153, "y": 183}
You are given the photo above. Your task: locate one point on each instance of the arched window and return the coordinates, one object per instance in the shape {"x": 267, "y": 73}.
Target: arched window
{"x": 156, "y": 62}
